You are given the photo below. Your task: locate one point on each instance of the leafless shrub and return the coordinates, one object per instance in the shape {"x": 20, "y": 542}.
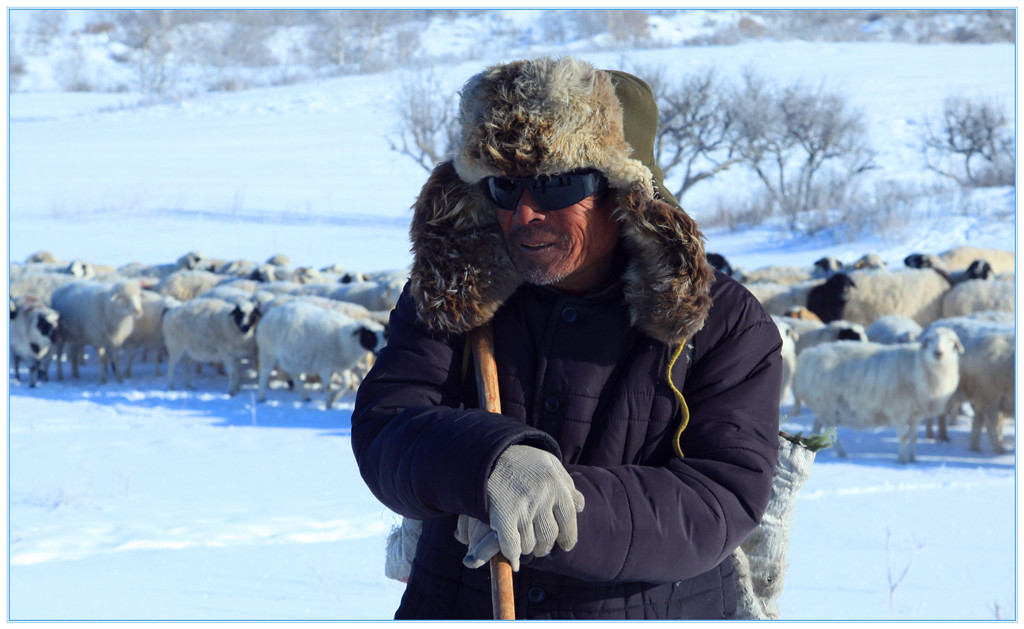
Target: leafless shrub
{"x": 971, "y": 142}
{"x": 795, "y": 139}
{"x": 427, "y": 120}
{"x": 147, "y": 33}
{"x": 694, "y": 126}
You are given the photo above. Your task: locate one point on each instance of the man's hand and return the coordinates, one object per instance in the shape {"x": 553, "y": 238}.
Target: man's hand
{"x": 532, "y": 505}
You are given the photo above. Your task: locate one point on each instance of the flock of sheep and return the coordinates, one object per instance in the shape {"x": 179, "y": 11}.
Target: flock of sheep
{"x": 302, "y": 325}
{"x": 867, "y": 346}
{"x": 863, "y": 345}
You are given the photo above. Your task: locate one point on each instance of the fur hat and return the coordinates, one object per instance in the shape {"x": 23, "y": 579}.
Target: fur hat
{"x": 546, "y": 116}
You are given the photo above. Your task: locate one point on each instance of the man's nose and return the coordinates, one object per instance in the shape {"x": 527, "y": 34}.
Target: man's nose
{"x": 527, "y": 210}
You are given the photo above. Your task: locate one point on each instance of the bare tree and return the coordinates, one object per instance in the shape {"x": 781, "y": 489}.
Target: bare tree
{"x": 808, "y": 147}
{"x": 428, "y": 123}
{"x": 971, "y": 142}
{"x": 693, "y": 129}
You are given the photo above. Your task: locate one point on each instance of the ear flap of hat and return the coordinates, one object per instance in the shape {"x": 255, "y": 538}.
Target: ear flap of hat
{"x": 461, "y": 272}
{"x": 668, "y": 279}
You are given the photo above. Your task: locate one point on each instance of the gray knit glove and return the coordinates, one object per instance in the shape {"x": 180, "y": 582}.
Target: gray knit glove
{"x": 532, "y": 505}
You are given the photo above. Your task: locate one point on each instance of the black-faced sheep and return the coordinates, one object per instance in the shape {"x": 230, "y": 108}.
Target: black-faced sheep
{"x": 960, "y": 257}
{"x": 299, "y": 338}
{"x": 97, "y": 314}
{"x": 914, "y": 293}
{"x": 210, "y": 330}
{"x": 33, "y": 331}
{"x": 865, "y": 385}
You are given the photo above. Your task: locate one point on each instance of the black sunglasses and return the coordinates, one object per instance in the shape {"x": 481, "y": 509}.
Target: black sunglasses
{"x": 551, "y": 192}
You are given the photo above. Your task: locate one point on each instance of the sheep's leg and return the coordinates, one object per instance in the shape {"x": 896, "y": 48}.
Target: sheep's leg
{"x": 129, "y": 358}
{"x": 329, "y": 394}
{"x": 74, "y": 356}
{"x": 234, "y": 377}
{"x": 33, "y": 374}
{"x": 993, "y": 422}
{"x": 172, "y": 361}
{"x": 303, "y": 386}
{"x": 264, "y": 377}
{"x": 186, "y": 377}
{"x": 60, "y": 366}
{"x": 976, "y": 425}
{"x": 115, "y": 361}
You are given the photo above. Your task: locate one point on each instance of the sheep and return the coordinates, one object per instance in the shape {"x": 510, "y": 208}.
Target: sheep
{"x": 186, "y": 262}
{"x": 802, "y": 312}
{"x": 33, "y": 332}
{"x": 979, "y": 269}
{"x": 147, "y": 332}
{"x": 41, "y": 285}
{"x": 986, "y": 377}
{"x": 915, "y": 293}
{"x": 41, "y": 256}
{"x": 838, "y": 330}
{"x": 979, "y": 295}
{"x": 279, "y": 259}
{"x": 372, "y": 295}
{"x": 348, "y": 308}
{"x": 210, "y": 330}
{"x": 777, "y": 274}
{"x": 894, "y": 329}
{"x": 869, "y": 261}
{"x": 862, "y": 385}
{"x": 960, "y": 257}
{"x": 299, "y": 337}
{"x": 826, "y": 267}
{"x": 718, "y": 261}
{"x": 187, "y": 284}
{"x": 789, "y": 339}
{"x": 97, "y": 314}
{"x": 828, "y": 299}
{"x": 779, "y": 299}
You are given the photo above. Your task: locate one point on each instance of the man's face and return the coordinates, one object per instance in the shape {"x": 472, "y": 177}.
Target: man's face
{"x": 570, "y": 248}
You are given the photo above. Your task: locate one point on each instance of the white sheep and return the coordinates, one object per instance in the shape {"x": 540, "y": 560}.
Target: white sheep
{"x": 838, "y": 330}
{"x": 865, "y": 385}
{"x": 987, "y": 380}
{"x": 914, "y": 293}
{"x": 210, "y": 330}
{"x": 894, "y": 329}
{"x": 147, "y": 332}
{"x": 34, "y": 327}
{"x": 41, "y": 285}
{"x": 98, "y": 314}
{"x": 299, "y": 338}
{"x": 188, "y": 284}
{"x": 961, "y": 257}
{"x": 978, "y": 295}
{"x": 372, "y": 295}
{"x": 777, "y": 274}
{"x": 778, "y": 299}
{"x": 789, "y": 339}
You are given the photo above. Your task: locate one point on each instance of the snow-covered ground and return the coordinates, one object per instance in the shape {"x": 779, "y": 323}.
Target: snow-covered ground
{"x": 131, "y": 502}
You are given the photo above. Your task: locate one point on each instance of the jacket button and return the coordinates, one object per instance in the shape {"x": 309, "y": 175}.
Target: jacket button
{"x": 570, "y": 314}
{"x": 535, "y": 595}
{"x": 551, "y": 404}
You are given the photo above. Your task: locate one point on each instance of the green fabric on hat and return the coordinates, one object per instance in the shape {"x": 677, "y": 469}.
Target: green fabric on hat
{"x": 640, "y": 124}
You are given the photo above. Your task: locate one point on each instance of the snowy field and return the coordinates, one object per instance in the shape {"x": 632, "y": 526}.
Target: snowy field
{"x": 131, "y": 502}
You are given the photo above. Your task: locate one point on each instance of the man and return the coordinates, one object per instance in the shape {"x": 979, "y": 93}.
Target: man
{"x": 639, "y": 421}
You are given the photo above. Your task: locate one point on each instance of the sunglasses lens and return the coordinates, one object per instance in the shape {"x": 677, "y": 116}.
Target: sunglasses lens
{"x": 504, "y": 192}
{"x": 552, "y": 192}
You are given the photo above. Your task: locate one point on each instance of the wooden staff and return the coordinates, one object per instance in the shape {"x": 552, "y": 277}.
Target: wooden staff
{"x": 482, "y": 341}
